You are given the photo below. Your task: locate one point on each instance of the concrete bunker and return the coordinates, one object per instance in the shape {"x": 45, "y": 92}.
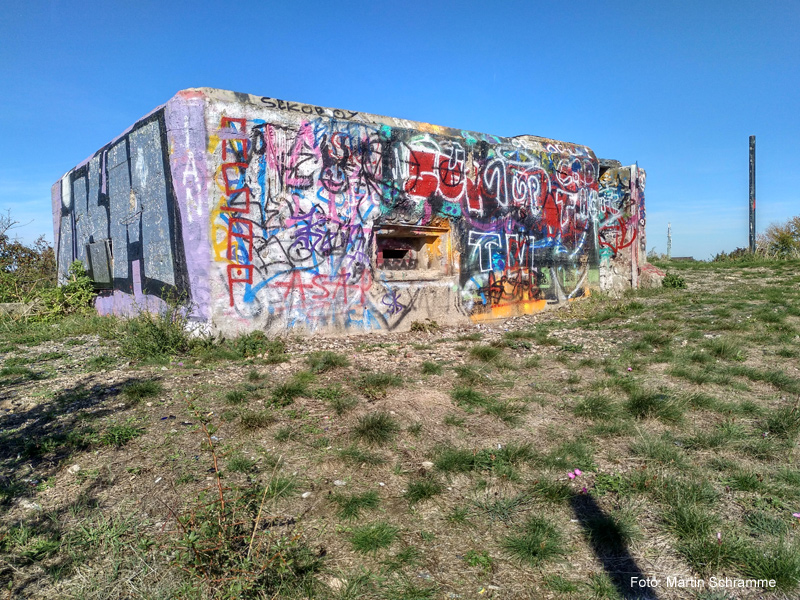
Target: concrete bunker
{"x": 276, "y": 215}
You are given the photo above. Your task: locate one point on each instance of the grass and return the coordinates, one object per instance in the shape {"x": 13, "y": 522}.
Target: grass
{"x": 356, "y": 456}
{"x": 431, "y": 368}
{"x": 699, "y": 437}
{"x": 485, "y": 353}
{"x": 297, "y": 386}
{"x": 597, "y": 408}
{"x": 119, "y": 434}
{"x": 320, "y": 362}
{"x": 422, "y": 489}
{"x": 375, "y": 385}
{"x": 257, "y": 419}
{"x": 373, "y": 537}
{"x": 611, "y": 533}
{"x": 538, "y": 540}
{"x": 337, "y": 398}
{"x": 138, "y": 390}
{"x": 376, "y": 428}
{"x": 352, "y": 505}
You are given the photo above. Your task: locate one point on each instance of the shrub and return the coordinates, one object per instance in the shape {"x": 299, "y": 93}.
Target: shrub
{"x": 673, "y": 281}
{"x": 161, "y": 335}
{"x": 781, "y": 240}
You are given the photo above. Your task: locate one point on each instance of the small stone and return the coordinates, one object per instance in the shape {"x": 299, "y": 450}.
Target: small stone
{"x": 339, "y": 483}
{"x": 336, "y": 584}
{"x": 163, "y": 368}
{"x": 305, "y": 495}
{"x": 148, "y": 404}
{"x": 427, "y": 465}
{"x": 28, "y": 505}
{"x": 382, "y": 484}
{"x": 74, "y": 469}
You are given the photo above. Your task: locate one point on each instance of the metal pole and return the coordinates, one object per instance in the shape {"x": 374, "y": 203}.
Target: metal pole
{"x": 752, "y": 194}
{"x": 669, "y": 240}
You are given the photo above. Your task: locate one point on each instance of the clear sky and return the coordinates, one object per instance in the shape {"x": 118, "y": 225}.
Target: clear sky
{"x": 675, "y": 86}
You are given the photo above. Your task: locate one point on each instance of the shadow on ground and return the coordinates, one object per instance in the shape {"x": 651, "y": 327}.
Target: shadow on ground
{"x": 607, "y": 542}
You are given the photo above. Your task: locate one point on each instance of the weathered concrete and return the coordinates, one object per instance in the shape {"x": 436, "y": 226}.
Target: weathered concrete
{"x": 274, "y": 215}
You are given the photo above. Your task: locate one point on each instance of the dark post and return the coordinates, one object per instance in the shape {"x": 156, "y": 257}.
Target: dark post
{"x": 752, "y": 194}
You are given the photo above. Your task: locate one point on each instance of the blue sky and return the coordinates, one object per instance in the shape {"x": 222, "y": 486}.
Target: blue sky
{"x": 675, "y": 86}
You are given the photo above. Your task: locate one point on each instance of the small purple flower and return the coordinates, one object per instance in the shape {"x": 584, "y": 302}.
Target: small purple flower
{"x": 719, "y": 537}
{"x": 571, "y": 475}
{"x": 584, "y": 490}
{"x": 578, "y": 472}
{"x": 630, "y": 369}
{"x": 796, "y": 515}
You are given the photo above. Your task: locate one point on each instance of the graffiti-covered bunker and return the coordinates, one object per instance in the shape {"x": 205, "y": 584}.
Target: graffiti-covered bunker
{"x": 271, "y": 215}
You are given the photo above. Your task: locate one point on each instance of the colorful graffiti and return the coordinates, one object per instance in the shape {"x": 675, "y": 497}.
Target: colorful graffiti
{"x": 297, "y": 208}
{"x": 270, "y": 215}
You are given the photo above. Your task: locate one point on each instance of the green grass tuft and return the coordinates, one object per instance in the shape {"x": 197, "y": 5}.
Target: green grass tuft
{"x": 537, "y": 541}
{"x": 371, "y": 538}
{"x": 376, "y": 428}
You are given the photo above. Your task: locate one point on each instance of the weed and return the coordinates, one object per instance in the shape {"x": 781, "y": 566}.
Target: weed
{"x": 560, "y": 584}
{"x": 355, "y": 455}
{"x": 152, "y": 336}
{"x": 745, "y": 481}
{"x": 458, "y": 515}
{"x": 469, "y": 375}
{"x": 454, "y": 420}
{"x": 778, "y": 560}
{"x": 257, "y": 419}
{"x": 373, "y": 537}
{"x": 422, "y": 489}
{"x": 469, "y": 337}
{"x": 120, "y": 434}
{"x": 761, "y": 522}
{"x": 551, "y": 490}
{"x": 662, "y": 451}
{"x": 571, "y": 454}
{"x": 485, "y": 353}
{"x": 469, "y": 397}
{"x": 643, "y": 404}
{"x": 239, "y": 463}
{"x": 595, "y": 407}
{"x": 784, "y": 422}
{"x": 673, "y": 281}
{"x": 228, "y": 532}
{"x": 320, "y": 362}
{"x": 374, "y": 385}
{"x": 539, "y": 540}
{"x": 284, "y": 434}
{"x": 431, "y": 368}
{"x": 138, "y": 390}
{"x": 426, "y": 326}
{"x": 376, "y": 428}
{"x": 725, "y": 349}
{"x": 285, "y": 393}
{"x": 687, "y": 520}
{"x": 414, "y": 429}
{"x": 480, "y": 560}
{"x": 350, "y": 506}
{"x": 98, "y": 363}
{"x": 338, "y": 399}
{"x": 575, "y": 348}
{"x": 502, "y": 508}
{"x": 236, "y": 397}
